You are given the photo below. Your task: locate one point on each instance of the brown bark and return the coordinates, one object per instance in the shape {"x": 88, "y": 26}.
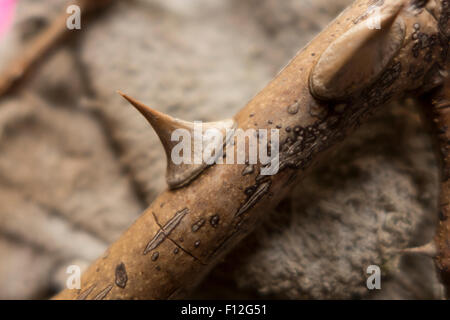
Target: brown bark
{"x": 184, "y": 232}
{"x": 437, "y": 108}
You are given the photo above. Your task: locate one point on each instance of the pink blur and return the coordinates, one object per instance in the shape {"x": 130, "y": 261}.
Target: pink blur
{"x": 6, "y": 15}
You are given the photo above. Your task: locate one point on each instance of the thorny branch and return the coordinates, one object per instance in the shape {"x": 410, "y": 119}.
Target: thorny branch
{"x": 327, "y": 90}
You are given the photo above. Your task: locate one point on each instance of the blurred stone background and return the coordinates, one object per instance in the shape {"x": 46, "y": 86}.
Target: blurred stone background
{"x": 78, "y": 164}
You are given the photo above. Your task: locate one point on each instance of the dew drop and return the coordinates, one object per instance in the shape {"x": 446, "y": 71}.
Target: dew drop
{"x": 155, "y": 256}
{"x": 214, "y": 221}
{"x": 293, "y": 108}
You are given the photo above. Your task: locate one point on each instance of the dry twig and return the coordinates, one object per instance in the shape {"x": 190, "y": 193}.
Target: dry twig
{"x": 326, "y": 91}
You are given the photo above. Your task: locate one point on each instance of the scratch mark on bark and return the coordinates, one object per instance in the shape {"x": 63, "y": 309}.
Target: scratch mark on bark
{"x": 174, "y": 293}
{"x": 86, "y": 293}
{"x": 178, "y": 246}
{"x": 164, "y": 231}
{"x": 103, "y": 293}
{"x": 254, "y": 198}
{"x": 223, "y": 244}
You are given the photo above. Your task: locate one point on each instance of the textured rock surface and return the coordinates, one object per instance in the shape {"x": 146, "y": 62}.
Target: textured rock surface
{"x": 78, "y": 164}
{"x": 62, "y": 192}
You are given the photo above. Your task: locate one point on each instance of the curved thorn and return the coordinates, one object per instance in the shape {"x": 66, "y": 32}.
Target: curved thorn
{"x": 429, "y": 250}
{"x": 179, "y": 175}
